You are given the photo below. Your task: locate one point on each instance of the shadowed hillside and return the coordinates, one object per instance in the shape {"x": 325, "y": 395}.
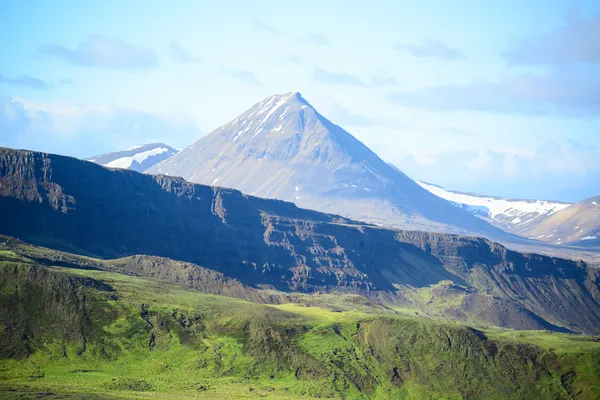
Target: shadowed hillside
{"x": 81, "y": 207}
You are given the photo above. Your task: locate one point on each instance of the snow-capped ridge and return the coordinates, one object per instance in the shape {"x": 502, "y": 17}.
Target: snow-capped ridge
{"x": 138, "y": 158}
{"x": 125, "y": 162}
{"x": 510, "y": 214}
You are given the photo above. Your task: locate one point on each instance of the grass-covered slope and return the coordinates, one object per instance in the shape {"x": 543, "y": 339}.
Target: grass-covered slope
{"x": 66, "y": 331}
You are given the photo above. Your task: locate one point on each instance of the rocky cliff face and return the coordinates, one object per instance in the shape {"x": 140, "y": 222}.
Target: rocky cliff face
{"x": 81, "y": 207}
{"x": 537, "y": 282}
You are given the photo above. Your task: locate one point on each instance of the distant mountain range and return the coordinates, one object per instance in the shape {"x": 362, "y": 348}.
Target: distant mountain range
{"x": 547, "y": 221}
{"x": 285, "y": 149}
{"x": 578, "y": 224}
{"x": 138, "y": 158}
{"x": 513, "y": 215}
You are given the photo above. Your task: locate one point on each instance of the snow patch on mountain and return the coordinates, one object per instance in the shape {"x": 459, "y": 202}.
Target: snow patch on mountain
{"x": 125, "y": 162}
{"x": 138, "y": 158}
{"x": 509, "y": 214}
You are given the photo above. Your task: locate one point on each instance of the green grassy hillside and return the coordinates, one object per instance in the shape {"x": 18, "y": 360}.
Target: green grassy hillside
{"x": 70, "y": 333}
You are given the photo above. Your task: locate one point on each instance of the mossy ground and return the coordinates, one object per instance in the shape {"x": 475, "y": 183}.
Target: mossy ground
{"x": 145, "y": 338}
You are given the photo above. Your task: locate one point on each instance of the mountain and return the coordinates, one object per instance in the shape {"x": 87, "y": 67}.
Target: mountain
{"x": 84, "y": 208}
{"x": 512, "y": 215}
{"x": 578, "y": 224}
{"x": 77, "y": 327}
{"x": 547, "y": 221}
{"x": 282, "y": 148}
{"x": 138, "y": 158}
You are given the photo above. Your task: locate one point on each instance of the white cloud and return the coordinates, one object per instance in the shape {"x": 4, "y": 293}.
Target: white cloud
{"x": 99, "y": 51}
{"x": 79, "y": 130}
{"x": 574, "y": 42}
{"x": 182, "y": 55}
{"x": 431, "y": 48}
{"x": 569, "y": 91}
{"x": 552, "y": 170}
{"x": 240, "y": 74}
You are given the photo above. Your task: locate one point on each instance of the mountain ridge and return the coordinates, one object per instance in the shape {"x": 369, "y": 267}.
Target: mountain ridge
{"x": 77, "y": 206}
{"x": 512, "y": 215}
{"x": 526, "y": 199}
{"x": 138, "y": 158}
{"x": 552, "y": 222}
{"x": 578, "y": 224}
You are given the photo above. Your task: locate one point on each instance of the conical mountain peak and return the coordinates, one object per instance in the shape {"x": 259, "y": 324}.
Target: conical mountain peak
{"x": 291, "y": 96}
{"x": 280, "y": 117}
{"x": 283, "y": 148}
{"x": 291, "y": 119}
{"x": 276, "y": 101}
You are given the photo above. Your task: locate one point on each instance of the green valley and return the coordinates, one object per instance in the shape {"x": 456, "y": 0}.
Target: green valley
{"x": 76, "y": 327}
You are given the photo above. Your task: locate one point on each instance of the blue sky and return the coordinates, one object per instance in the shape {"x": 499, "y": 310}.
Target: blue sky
{"x": 498, "y": 97}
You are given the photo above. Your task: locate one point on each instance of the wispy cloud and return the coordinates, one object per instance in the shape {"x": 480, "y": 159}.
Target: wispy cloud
{"x": 13, "y": 120}
{"x": 292, "y": 59}
{"x": 337, "y": 78}
{"x": 383, "y": 80}
{"x": 547, "y": 158}
{"x": 456, "y": 132}
{"x": 570, "y": 87}
{"x": 315, "y": 39}
{"x": 179, "y": 54}
{"x": 265, "y": 27}
{"x": 240, "y": 74}
{"x": 319, "y": 40}
{"x": 341, "y": 78}
{"x": 350, "y": 117}
{"x": 577, "y": 41}
{"x": 573, "y": 92}
{"x": 25, "y": 81}
{"x": 572, "y": 169}
{"x": 431, "y": 48}
{"x": 99, "y": 51}
{"x": 68, "y": 128}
